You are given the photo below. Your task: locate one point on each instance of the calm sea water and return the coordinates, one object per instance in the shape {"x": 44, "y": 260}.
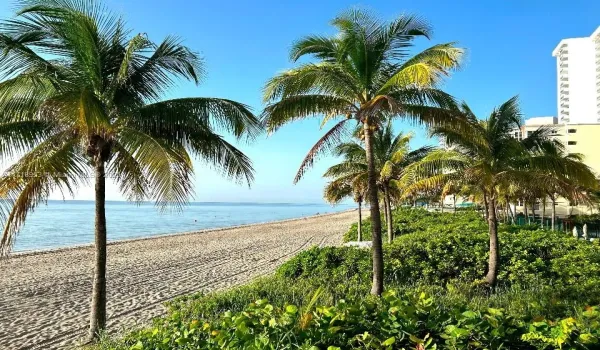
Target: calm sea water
{"x": 68, "y": 223}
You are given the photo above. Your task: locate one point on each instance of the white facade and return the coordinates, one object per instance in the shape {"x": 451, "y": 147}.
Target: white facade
{"x": 578, "y": 79}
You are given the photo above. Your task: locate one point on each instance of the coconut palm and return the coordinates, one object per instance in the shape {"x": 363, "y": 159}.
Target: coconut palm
{"x": 576, "y": 186}
{"x": 391, "y": 155}
{"x": 485, "y": 154}
{"x": 80, "y": 96}
{"x": 364, "y": 73}
{"x": 348, "y": 187}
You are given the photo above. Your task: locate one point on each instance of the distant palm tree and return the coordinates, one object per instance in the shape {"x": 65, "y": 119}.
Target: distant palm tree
{"x": 364, "y": 73}
{"x": 391, "y": 155}
{"x": 348, "y": 187}
{"x": 78, "y": 94}
{"x": 483, "y": 153}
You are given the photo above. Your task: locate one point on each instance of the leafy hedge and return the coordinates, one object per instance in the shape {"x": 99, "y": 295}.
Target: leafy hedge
{"x": 392, "y": 322}
{"x": 409, "y": 220}
{"x": 317, "y": 299}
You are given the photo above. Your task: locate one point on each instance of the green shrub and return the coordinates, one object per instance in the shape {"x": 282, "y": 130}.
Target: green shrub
{"x": 392, "y": 322}
{"x": 409, "y": 220}
{"x": 547, "y": 279}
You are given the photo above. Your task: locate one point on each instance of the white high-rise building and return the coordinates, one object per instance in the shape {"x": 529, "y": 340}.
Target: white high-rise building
{"x": 578, "y": 79}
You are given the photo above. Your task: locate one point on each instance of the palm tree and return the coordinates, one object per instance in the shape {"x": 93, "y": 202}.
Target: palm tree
{"x": 364, "y": 73}
{"x": 485, "y": 154}
{"x": 78, "y": 94}
{"x": 391, "y": 155}
{"x": 577, "y": 185}
{"x": 344, "y": 187}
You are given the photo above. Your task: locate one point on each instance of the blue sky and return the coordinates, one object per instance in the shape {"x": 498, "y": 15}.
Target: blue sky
{"x": 244, "y": 43}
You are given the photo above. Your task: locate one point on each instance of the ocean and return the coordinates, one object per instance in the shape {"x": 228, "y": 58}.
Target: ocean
{"x": 68, "y": 223}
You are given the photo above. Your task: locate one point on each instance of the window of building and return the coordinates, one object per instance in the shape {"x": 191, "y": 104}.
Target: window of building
{"x": 529, "y": 133}
{"x": 572, "y": 131}
{"x": 572, "y": 143}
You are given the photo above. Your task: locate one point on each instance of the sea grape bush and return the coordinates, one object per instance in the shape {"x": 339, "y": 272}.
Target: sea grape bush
{"x": 392, "y": 322}
{"x": 409, "y": 220}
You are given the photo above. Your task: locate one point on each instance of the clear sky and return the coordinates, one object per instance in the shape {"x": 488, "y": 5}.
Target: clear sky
{"x": 244, "y": 43}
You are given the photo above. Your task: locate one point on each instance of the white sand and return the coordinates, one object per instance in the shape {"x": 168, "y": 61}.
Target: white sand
{"x": 44, "y": 297}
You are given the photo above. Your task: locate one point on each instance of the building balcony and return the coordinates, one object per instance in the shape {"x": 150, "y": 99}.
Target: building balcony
{"x": 564, "y": 113}
{"x": 564, "y": 105}
{"x": 564, "y": 65}
{"x": 564, "y": 85}
{"x": 564, "y": 78}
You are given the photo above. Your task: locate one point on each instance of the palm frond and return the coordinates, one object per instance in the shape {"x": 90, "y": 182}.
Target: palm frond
{"x": 176, "y": 119}
{"x": 324, "y": 144}
{"x": 302, "y": 106}
{"x": 56, "y": 164}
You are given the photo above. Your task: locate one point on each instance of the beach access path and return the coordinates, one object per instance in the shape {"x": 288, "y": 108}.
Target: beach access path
{"x": 45, "y": 296}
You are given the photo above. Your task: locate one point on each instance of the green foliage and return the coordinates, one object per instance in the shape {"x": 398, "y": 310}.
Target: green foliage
{"x": 409, "y": 220}
{"x": 435, "y": 299}
{"x": 392, "y": 322}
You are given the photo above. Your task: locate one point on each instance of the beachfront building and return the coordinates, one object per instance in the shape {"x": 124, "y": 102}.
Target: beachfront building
{"x": 578, "y": 79}
{"x": 578, "y": 105}
{"x": 582, "y": 138}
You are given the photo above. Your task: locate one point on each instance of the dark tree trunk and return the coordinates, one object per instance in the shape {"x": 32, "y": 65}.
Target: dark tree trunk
{"x": 510, "y": 212}
{"x": 543, "y": 211}
{"x": 494, "y": 249}
{"x": 98, "y": 305}
{"x": 553, "y": 213}
{"x": 486, "y": 206}
{"x": 525, "y": 211}
{"x": 385, "y": 209}
{"x": 377, "y": 287}
{"x": 533, "y": 211}
{"x": 454, "y": 203}
{"x": 390, "y": 221}
{"x": 360, "y": 221}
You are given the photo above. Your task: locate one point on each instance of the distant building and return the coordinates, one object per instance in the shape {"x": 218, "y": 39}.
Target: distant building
{"x": 578, "y": 100}
{"x": 578, "y": 79}
{"x": 577, "y": 137}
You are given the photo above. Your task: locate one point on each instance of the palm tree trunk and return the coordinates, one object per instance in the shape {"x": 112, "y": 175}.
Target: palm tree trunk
{"x": 454, "y": 203}
{"x": 543, "y": 210}
{"x": 390, "y": 223}
{"x": 377, "y": 286}
{"x": 553, "y": 212}
{"x": 360, "y": 221}
{"x": 510, "y": 211}
{"x": 486, "y": 207}
{"x": 533, "y": 210}
{"x": 98, "y": 305}
{"x": 525, "y": 211}
{"x": 494, "y": 249}
{"x": 385, "y": 209}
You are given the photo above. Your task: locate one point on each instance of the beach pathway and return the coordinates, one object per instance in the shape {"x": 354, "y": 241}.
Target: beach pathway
{"x": 44, "y": 297}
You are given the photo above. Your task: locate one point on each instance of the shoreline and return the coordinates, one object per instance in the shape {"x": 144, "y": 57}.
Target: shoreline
{"x": 45, "y": 295}
{"x": 162, "y": 235}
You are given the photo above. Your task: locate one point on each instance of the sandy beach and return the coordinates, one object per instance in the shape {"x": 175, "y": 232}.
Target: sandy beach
{"x": 44, "y": 297}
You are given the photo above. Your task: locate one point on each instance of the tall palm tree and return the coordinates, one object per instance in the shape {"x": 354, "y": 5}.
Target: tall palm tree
{"x": 345, "y": 187}
{"x": 485, "y": 154}
{"x": 391, "y": 155}
{"x": 78, "y": 94}
{"x": 364, "y": 73}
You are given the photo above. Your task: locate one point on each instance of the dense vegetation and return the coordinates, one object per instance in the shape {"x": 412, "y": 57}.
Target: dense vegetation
{"x": 548, "y": 285}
